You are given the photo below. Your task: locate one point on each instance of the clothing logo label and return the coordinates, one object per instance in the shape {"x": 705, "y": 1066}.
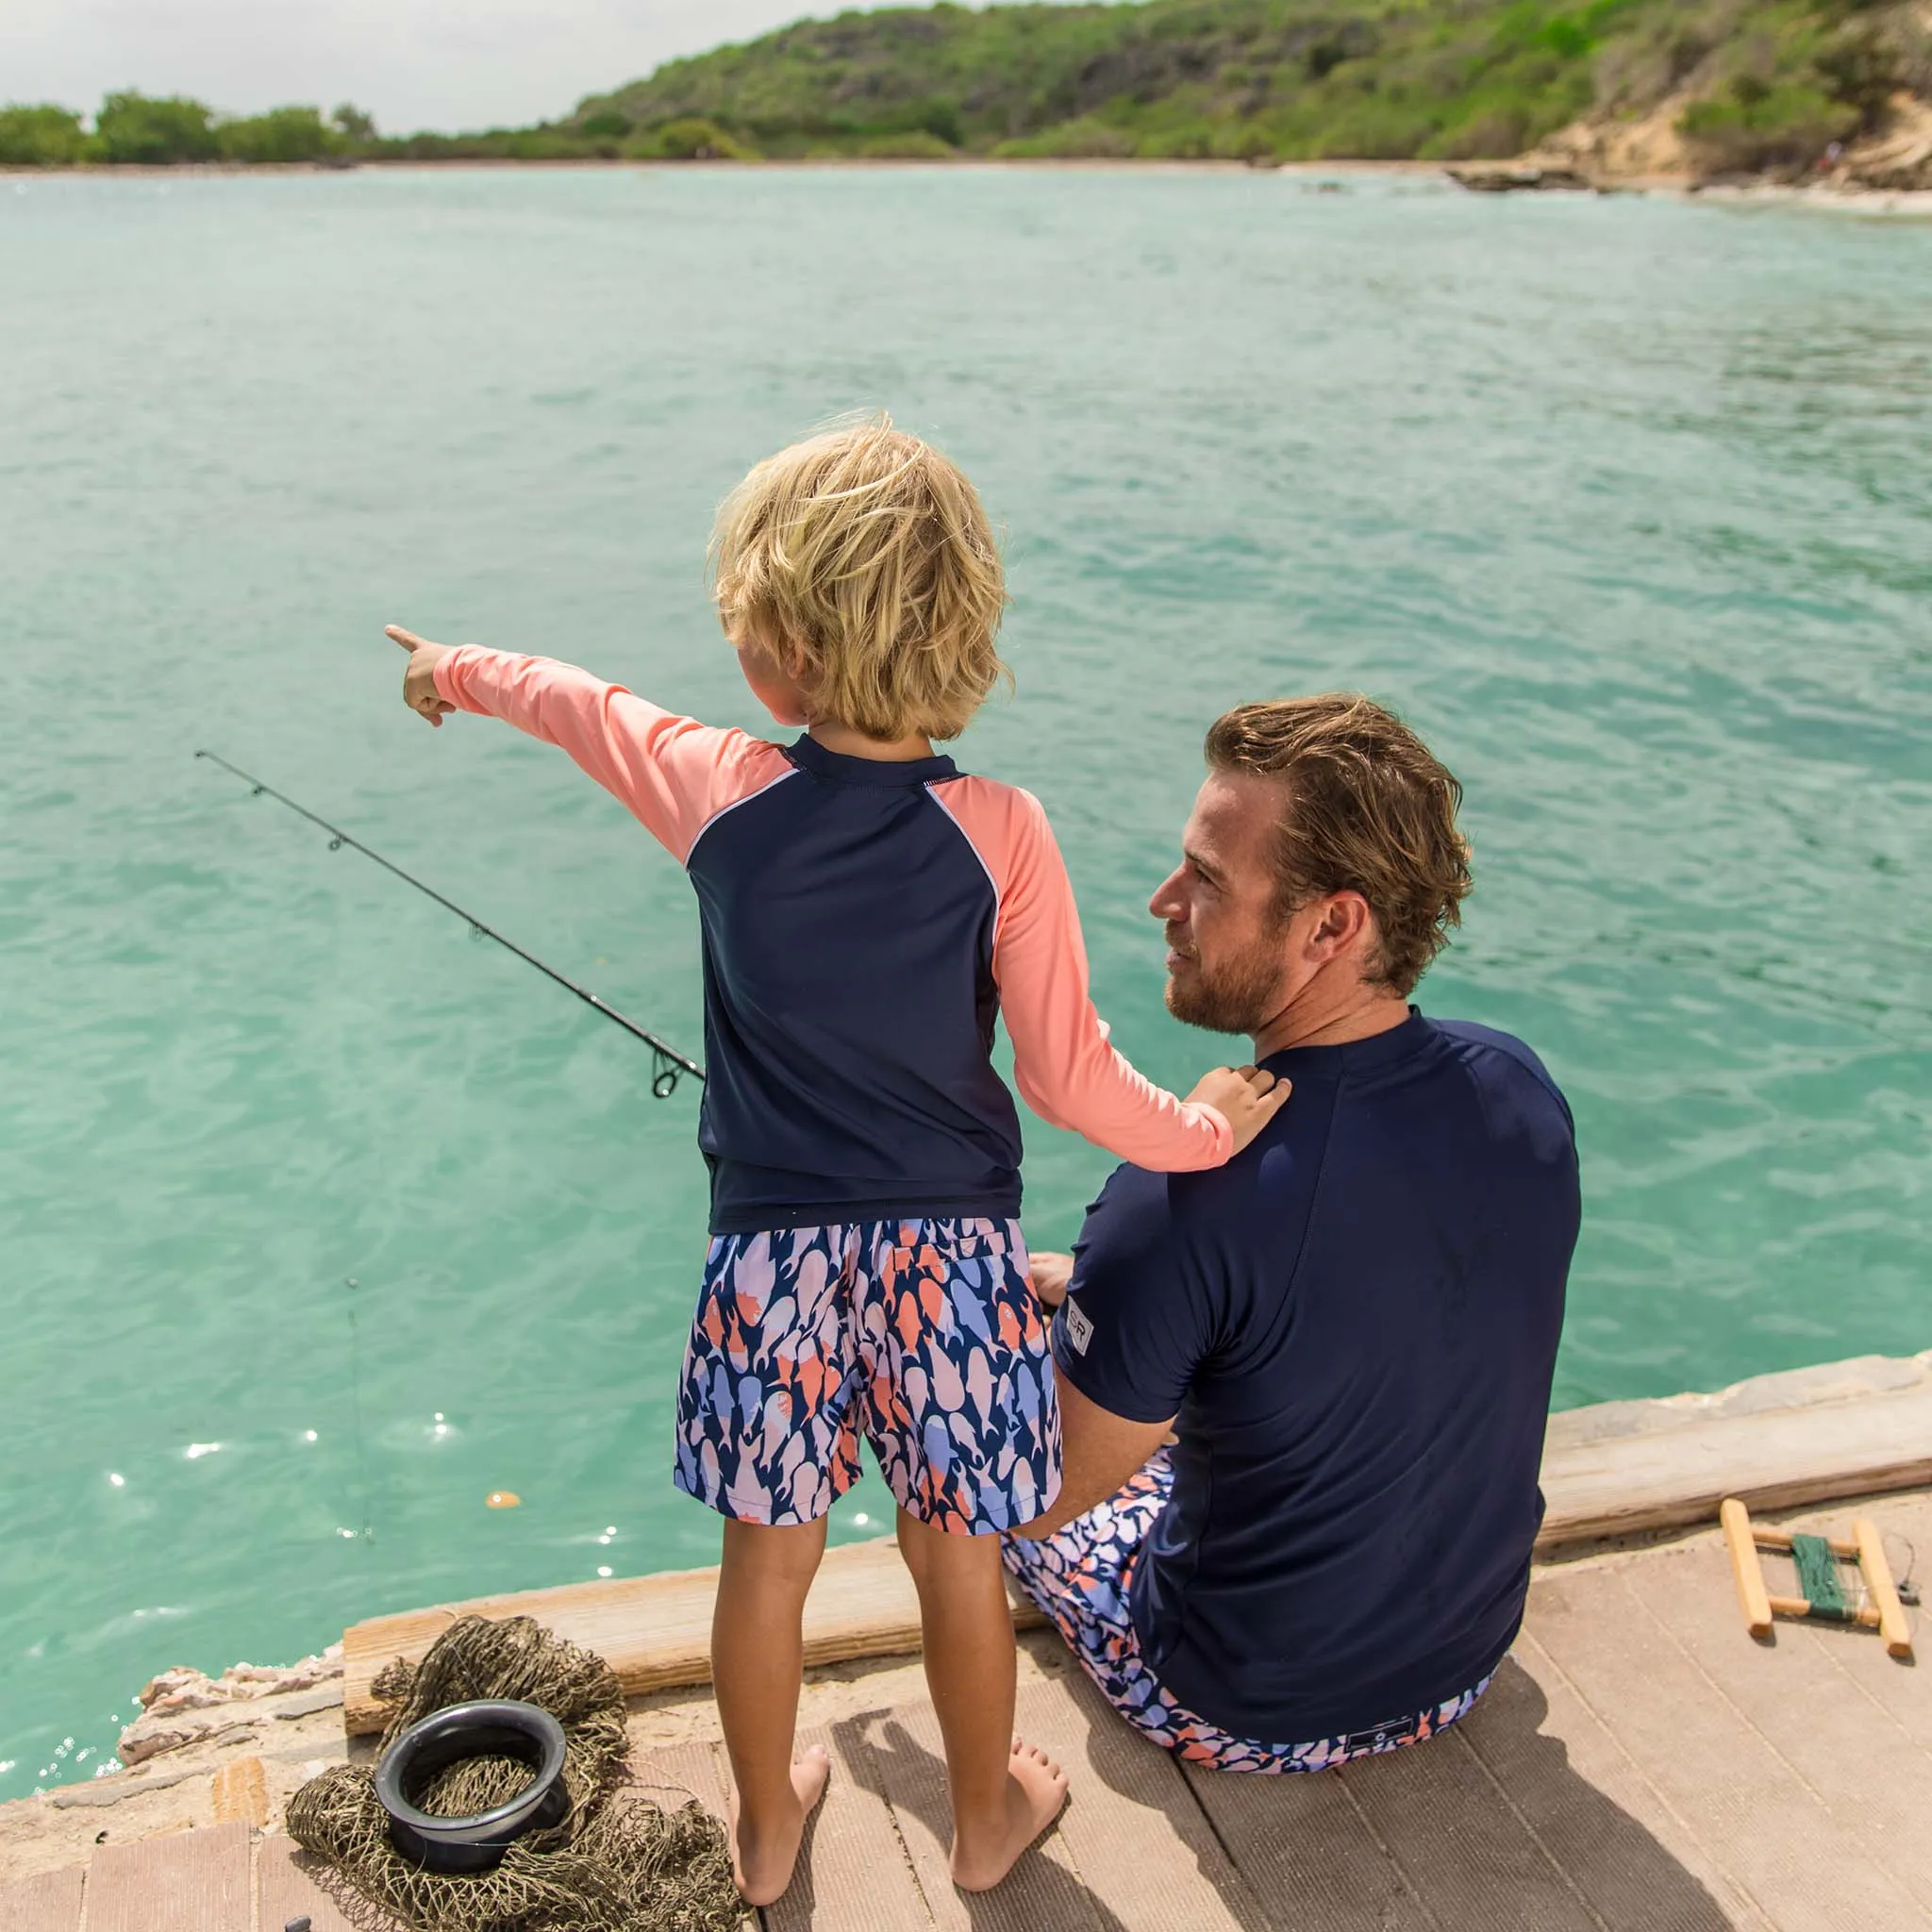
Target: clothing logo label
{"x": 1360, "y": 1743}
{"x": 1079, "y": 1329}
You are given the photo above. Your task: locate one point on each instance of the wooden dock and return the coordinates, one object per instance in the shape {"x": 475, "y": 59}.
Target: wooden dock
{"x": 1640, "y": 1765}
{"x": 1609, "y": 1473}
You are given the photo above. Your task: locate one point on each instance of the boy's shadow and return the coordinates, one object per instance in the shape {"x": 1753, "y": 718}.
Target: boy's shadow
{"x": 886, "y": 1759}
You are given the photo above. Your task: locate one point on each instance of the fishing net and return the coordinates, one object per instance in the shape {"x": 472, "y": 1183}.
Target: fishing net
{"x": 616, "y": 1863}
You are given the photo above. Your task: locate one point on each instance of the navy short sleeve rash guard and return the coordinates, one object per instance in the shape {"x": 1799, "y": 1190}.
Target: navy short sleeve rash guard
{"x": 1356, "y": 1323}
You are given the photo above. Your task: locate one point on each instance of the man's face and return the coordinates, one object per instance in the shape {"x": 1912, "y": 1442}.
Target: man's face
{"x": 1228, "y": 942}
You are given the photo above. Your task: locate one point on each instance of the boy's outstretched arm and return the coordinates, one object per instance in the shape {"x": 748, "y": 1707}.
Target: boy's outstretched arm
{"x": 673, "y": 773}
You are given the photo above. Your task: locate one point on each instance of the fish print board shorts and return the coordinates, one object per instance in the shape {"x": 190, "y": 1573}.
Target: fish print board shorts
{"x": 925, "y": 1337}
{"x": 1081, "y": 1576}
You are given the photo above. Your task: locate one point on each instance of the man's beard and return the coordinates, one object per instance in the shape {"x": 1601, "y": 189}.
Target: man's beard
{"x": 1240, "y": 995}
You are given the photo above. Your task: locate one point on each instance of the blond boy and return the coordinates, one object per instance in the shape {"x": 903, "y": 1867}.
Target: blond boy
{"x": 867, "y": 910}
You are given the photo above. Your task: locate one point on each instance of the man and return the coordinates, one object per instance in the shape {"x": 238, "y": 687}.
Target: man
{"x": 1348, "y": 1332}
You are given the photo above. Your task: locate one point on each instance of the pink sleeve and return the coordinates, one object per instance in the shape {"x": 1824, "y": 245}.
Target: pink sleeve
{"x": 673, "y": 773}
{"x": 1066, "y": 1071}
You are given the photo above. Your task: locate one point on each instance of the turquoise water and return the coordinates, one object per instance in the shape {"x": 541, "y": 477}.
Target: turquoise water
{"x": 1627, "y": 504}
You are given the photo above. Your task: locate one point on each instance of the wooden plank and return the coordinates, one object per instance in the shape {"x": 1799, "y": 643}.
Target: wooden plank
{"x": 1775, "y": 1459}
{"x": 855, "y": 1873}
{"x": 1877, "y": 1783}
{"x": 675, "y": 1774}
{"x": 50, "y": 1902}
{"x": 1743, "y": 1804}
{"x": 290, "y": 1889}
{"x": 1594, "y": 1810}
{"x": 1305, "y": 1848}
{"x": 189, "y": 1881}
{"x": 1141, "y": 1845}
{"x": 1463, "y": 1847}
{"x": 1043, "y": 1889}
{"x": 656, "y": 1631}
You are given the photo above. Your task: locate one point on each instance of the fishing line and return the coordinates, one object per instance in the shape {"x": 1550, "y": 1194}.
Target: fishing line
{"x": 355, "y": 1411}
{"x": 668, "y": 1066}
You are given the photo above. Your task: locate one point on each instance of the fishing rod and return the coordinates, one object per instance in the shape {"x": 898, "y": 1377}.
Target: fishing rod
{"x": 668, "y": 1066}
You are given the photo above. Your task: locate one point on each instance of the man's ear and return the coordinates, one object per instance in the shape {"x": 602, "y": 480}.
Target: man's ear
{"x": 1345, "y": 925}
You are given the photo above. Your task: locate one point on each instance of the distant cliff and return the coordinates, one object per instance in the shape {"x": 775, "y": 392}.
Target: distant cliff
{"x": 1783, "y": 88}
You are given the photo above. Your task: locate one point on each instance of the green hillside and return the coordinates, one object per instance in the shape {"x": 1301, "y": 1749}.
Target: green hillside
{"x": 1775, "y": 80}
{"x": 1758, "y": 86}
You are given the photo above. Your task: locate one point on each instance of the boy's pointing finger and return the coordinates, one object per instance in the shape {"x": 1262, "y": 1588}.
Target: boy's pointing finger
{"x": 407, "y": 639}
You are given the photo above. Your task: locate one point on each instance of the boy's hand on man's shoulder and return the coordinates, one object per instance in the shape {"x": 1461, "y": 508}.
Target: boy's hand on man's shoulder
{"x": 419, "y": 680}
{"x": 1246, "y": 1097}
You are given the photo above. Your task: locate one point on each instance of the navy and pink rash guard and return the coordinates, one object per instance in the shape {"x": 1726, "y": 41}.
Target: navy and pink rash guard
{"x": 863, "y": 924}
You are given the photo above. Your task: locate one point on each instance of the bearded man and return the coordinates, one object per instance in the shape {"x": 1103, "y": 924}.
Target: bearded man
{"x": 1303, "y": 1395}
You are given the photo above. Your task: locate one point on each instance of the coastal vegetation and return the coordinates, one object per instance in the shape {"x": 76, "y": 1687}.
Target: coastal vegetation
{"x": 1748, "y": 85}
{"x": 149, "y": 131}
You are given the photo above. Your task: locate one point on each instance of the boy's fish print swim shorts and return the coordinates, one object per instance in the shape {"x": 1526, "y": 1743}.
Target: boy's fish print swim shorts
{"x": 924, "y": 1337}
{"x": 1081, "y": 1576}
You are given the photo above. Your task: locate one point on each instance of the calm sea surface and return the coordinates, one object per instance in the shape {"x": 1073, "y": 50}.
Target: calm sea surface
{"x": 320, "y": 1219}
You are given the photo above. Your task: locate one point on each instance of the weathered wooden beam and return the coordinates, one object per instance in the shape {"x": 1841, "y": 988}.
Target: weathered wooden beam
{"x": 656, "y": 1631}
{"x": 1773, "y": 1459}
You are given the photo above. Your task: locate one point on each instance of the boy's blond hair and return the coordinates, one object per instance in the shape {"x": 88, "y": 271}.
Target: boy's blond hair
{"x": 862, "y": 561}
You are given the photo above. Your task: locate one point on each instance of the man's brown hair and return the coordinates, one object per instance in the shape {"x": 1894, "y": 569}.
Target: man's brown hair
{"x": 1367, "y": 808}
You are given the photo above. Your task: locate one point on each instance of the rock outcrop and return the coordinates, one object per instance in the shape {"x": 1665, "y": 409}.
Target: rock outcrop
{"x": 1899, "y": 161}
{"x": 1518, "y": 178}
{"x": 185, "y": 1707}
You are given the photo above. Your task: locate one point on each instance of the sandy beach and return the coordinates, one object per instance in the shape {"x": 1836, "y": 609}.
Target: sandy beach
{"x": 1818, "y": 198}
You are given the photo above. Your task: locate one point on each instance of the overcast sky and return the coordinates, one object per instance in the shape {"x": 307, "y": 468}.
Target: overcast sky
{"x": 411, "y": 63}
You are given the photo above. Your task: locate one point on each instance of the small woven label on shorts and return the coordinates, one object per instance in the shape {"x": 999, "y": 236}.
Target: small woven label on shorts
{"x": 1079, "y": 1327}
{"x": 1360, "y": 1743}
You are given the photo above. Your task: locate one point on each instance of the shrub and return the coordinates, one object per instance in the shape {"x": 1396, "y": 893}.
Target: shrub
{"x": 1246, "y": 143}
{"x": 1071, "y": 141}
{"x": 283, "y": 134}
{"x": 1490, "y": 134}
{"x": 42, "y": 137}
{"x": 541, "y": 144}
{"x": 606, "y": 124}
{"x": 132, "y": 128}
{"x": 941, "y": 119}
{"x": 689, "y": 140}
{"x": 1185, "y": 143}
{"x": 915, "y": 145}
{"x": 1785, "y": 126}
{"x": 1862, "y": 68}
{"x": 1374, "y": 130}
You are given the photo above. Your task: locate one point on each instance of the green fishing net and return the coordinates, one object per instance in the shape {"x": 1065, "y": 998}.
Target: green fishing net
{"x": 616, "y": 1863}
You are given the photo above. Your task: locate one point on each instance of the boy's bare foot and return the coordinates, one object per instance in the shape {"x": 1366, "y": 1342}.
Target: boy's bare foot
{"x": 761, "y": 1866}
{"x": 1036, "y": 1790}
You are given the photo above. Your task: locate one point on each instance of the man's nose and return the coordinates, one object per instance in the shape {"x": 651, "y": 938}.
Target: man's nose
{"x": 1167, "y": 903}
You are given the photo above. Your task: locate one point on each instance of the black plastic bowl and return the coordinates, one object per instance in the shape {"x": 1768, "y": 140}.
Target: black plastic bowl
{"x": 502, "y": 1728}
